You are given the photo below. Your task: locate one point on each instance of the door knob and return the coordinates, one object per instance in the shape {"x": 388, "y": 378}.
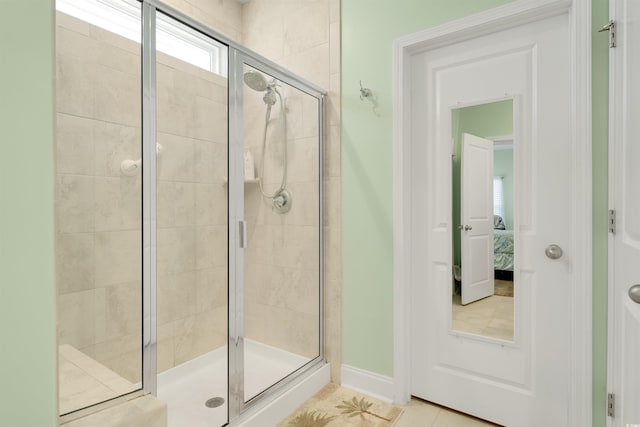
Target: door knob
{"x": 553, "y": 252}
{"x": 634, "y": 293}
{"x": 467, "y": 228}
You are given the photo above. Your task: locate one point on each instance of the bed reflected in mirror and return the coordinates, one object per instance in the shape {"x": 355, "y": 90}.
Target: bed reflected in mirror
{"x": 483, "y": 220}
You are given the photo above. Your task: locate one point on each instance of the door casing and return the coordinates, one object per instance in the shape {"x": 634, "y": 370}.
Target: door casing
{"x": 497, "y": 19}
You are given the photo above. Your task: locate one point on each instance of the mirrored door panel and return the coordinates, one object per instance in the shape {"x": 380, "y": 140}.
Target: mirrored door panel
{"x": 282, "y": 214}
{"x": 192, "y": 224}
{"x": 484, "y": 255}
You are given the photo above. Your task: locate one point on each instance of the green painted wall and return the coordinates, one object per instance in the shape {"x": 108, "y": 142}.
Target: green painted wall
{"x": 27, "y": 311}
{"x": 494, "y": 119}
{"x": 368, "y": 29}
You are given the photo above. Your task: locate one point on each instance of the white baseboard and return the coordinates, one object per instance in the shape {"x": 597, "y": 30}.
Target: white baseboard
{"x": 369, "y": 383}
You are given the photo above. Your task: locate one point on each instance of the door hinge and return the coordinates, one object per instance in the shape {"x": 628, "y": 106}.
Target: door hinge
{"x": 611, "y": 28}
{"x": 612, "y": 221}
{"x": 611, "y": 405}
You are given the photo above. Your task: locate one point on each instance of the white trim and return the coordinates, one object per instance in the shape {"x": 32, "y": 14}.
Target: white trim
{"x": 501, "y": 18}
{"x": 369, "y": 383}
{"x": 581, "y": 403}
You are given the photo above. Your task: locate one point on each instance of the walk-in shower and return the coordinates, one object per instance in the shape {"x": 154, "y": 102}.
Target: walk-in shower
{"x": 178, "y": 275}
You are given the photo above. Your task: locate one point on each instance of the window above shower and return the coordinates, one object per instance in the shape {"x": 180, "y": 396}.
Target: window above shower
{"x": 123, "y": 18}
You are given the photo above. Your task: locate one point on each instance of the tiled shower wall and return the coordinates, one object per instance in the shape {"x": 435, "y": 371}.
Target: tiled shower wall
{"x": 99, "y": 209}
{"x": 304, "y": 37}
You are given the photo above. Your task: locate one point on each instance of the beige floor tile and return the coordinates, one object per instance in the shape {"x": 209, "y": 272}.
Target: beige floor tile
{"x": 491, "y": 317}
{"x": 454, "y": 419}
{"x": 418, "y": 414}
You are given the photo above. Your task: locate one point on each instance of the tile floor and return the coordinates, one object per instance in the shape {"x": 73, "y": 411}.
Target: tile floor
{"x": 491, "y": 317}
{"x": 419, "y": 413}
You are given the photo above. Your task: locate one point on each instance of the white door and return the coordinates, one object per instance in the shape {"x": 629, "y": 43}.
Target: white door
{"x": 477, "y": 218}
{"x": 624, "y": 245}
{"x": 526, "y": 381}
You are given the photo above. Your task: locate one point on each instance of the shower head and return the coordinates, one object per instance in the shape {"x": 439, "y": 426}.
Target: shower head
{"x": 255, "y": 80}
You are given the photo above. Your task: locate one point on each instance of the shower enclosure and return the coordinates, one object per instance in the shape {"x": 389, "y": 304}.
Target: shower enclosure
{"x": 189, "y": 215}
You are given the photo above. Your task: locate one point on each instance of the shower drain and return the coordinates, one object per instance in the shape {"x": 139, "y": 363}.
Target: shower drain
{"x": 214, "y": 402}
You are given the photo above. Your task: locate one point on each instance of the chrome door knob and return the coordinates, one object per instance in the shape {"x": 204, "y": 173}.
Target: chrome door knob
{"x": 634, "y": 293}
{"x": 467, "y": 228}
{"x": 553, "y": 252}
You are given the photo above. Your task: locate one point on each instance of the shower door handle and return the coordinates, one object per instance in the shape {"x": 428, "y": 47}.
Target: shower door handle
{"x": 242, "y": 234}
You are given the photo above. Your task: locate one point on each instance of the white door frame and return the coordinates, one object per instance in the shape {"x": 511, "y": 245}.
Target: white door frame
{"x": 513, "y": 14}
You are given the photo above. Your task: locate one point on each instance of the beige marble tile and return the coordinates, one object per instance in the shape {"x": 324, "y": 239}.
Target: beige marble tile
{"x": 77, "y": 318}
{"x": 74, "y": 262}
{"x": 118, "y": 257}
{"x": 263, "y": 28}
{"x": 75, "y": 203}
{"x": 176, "y": 250}
{"x": 211, "y": 288}
{"x": 312, "y": 63}
{"x": 332, "y": 253}
{"x": 300, "y": 247}
{"x": 108, "y": 350}
{"x": 334, "y": 104}
{"x": 74, "y": 86}
{"x": 254, "y": 321}
{"x": 334, "y": 46}
{"x": 211, "y": 204}
{"x": 334, "y": 11}
{"x": 177, "y": 160}
{"x": 65, "y": 21}
{"x": 113, "y": 144}
{"x": 211, "y": 247}
{"x": 177, "y": 296}
{"x": 117, "y": 96}
{"x": 109, "y": 38}
{"x": 74, "y": 145}
{"x": 305, "y": 25}
{"x": 118, "y": 203}
{"x": 123, "y": 311}
{"x": 210, "y": 120}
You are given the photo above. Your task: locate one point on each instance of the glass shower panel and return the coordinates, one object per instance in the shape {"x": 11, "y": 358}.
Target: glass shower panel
{"x": 98, "y": 202}
{"x": 282, "y": 214}
{"x": 192, "y": 224}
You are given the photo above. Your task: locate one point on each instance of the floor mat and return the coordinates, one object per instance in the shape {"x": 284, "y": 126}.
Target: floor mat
{"x": 338, "y": 406}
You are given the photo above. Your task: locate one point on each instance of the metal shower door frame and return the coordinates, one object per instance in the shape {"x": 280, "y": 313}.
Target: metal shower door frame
{"x": 237, "y": 56}
{"x": 237, "y": 60}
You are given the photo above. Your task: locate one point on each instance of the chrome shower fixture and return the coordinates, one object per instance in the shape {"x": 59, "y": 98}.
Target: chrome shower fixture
{"x": 256, "y": 81}
{"x": 281, "y": 199}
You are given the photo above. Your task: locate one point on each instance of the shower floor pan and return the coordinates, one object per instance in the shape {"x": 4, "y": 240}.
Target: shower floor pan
{"x": 187, "y": 387}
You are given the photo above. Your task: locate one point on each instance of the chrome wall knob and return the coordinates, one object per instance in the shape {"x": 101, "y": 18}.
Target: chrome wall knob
{"x": 553, "y": 252}
{"x": 634, "y": 293}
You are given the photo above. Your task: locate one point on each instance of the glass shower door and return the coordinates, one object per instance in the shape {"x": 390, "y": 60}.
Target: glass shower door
{"x": 192, "y": 224}
{"x": 281, "y": 268}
